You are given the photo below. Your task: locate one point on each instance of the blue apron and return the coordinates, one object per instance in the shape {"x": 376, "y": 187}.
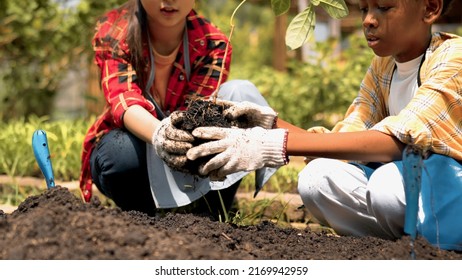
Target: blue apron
{"x": 433, "y": 188}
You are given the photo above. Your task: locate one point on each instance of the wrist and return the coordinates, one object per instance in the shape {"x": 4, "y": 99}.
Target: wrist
{"x": 274, "y": 149}
{"x": 275, "y": 121}
{"x": 269, "y": 119}
{"x": 156, "y": 133}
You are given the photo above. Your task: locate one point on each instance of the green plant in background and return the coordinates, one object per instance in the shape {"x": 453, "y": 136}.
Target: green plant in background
{"x": 254, "y": 28}
{"x": 65, "y": 140}
{"x": 16, "y": 154}
{"x": 314, "y": 93}
{"x": 17, "y": 159}
{"x": 307, "y": 94}
{"x": 302, "y": 25}
{"x": 32, "y": 49}
{"x": 459, "y": 31}
{"x": 40, "y": 41}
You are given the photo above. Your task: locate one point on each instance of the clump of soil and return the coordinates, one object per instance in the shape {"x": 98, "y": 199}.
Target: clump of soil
{"x": 202, "y": 113}
{"x": 58, "y": 225}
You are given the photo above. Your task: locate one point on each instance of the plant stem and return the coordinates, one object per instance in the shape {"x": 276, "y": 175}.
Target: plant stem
{"x": 231, "y": 23}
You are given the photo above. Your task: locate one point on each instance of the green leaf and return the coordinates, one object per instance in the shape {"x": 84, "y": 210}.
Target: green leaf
{"x": 280, "y": 6}
{"x": 300, "y": 28}
{"x": 315, "y": 2}
{"x": 335, "y": 8}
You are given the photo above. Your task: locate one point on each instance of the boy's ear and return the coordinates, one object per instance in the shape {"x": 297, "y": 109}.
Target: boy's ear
{"x": 433, "y": 10}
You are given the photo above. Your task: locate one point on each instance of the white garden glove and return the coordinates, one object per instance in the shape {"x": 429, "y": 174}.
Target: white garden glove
{"x": 171, "y": 143}
{"x": 239, "y": 150}
{"x": 247, "y": 114}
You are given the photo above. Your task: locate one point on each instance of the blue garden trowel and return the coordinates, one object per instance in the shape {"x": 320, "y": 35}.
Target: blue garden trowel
{"x": 42, "y": 156}
{"x": 412, "y": 175}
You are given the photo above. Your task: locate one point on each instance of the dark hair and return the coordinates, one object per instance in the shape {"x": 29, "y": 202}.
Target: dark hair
{"x": 135, "y": 37}
{"x": 446, "y": 6}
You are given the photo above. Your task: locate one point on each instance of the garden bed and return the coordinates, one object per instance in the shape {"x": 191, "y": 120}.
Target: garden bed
{"x": 58, "y": 225}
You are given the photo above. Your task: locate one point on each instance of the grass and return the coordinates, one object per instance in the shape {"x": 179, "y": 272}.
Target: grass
{"x": 14, "y": 194}
{"x": 283, "y": 181}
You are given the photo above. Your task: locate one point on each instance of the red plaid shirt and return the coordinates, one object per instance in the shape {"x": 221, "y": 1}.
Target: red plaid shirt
{"x": 206, "y": 49}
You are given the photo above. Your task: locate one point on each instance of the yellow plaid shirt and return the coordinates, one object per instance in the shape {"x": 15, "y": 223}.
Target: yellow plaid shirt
{"x": 432, "y": 120}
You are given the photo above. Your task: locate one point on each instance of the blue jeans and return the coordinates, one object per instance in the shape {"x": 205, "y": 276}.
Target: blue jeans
{"x": 119, "y": 171}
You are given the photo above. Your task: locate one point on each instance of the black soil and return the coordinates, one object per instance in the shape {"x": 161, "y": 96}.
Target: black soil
{"x": 204, "y": 113}
{"x": 201, "y": 113}
{"x": 58, "y": 225}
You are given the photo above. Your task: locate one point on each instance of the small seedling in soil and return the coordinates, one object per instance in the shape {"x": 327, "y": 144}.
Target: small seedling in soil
{"x": 202, "y": 113}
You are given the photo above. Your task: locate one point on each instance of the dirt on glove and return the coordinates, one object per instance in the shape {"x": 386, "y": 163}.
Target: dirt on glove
{"x": 58, "y": 225}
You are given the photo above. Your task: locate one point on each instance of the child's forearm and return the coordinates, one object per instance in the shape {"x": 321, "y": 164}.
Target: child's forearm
{"x": 140, "y": 122}
{"x": 361, "y": 146}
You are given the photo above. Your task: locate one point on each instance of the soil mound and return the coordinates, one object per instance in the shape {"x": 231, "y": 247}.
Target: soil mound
{"x": 58, "y": 225}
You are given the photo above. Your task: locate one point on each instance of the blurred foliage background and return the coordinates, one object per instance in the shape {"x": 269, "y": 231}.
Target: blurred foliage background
{"x": 45, "y": 49}
{"x": 42, "y": 41}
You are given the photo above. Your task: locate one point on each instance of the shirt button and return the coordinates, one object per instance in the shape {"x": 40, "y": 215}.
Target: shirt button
{"x": 202, "y": 43}
{"x": 181, "y": 77}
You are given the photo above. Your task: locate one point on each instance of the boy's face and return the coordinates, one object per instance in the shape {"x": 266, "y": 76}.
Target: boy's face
{"x": 396, "y": 27}
{"x": 168, "y": 13}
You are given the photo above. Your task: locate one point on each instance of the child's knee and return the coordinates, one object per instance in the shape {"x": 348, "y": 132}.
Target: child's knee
{"x": 241, "y": 90}
{"x": 312, "y": 178}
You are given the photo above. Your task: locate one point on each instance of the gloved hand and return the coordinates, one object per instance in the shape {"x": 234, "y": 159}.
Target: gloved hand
{"x": 239, "y": 150}
{"x": 248, "y": 114}
{"x": 171, "y": 143}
